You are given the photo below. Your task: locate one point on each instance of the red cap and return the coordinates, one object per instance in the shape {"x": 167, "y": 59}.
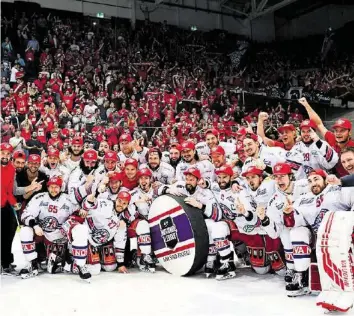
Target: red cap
{"x": 111, "y": 155}
{"x": 319, "y": 172}
{"x": 6, "y": 147}
{"x": 144, "y": 172}
{"x": 308, "y": 124}
{"x": 252, "y": 136}
{"x": 19, "y": 154}
{"x": 281, "y": 169}
{"x": 241, "y": 132}
{"x": 53, "y": 152}
{"x": 226, "y": 169}
{"x": 154, "y": 150}
{"x": 125, "y": 138}
{"x": 343, "y": 123}
{"x": 194, "y": 172}
{"x": 77, "y": 141}
{"x": 176, "y": 146}
{"x": 115, "y": 176}
{"x": 217, "y": 150}
{"x": 286, "y": 127}
{"x": 34, "y": 158}
{"x": 55, "y": 181}
{"x": 212, "y": 131}
{"x": 252, "y": 170}
{"x": 188, "y": 145}
{"x": 124, "y": 195}
{"x": 90, "y": 155}
{"x": 132, "y": 162}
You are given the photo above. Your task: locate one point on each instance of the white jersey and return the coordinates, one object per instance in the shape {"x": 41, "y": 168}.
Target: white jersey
{"x": 76, "y": 186}
{"x": 59, "y": 171}
{"x": 319, "y": 155}
{"x": 139, "y": 156}
{"x": 204, "y": 196}
{"x": 269, "y": 156}
{"x": 310, "y": 209}
{"x": 139, "y": 205}
{"x": 277, "y": 204}
{"x": 227, "y": 203}
{"x": 102, "y": 221}
{"x": 101, "y": 172}
{"x": 165, "y": 156}
{"x": 70, "y": 164}
{"x": 205, "y": 167}
{"x": 49, "y": 214}
{"x": 203, "y": 149}
{"x": 165, "y": 173}
{"x": 264, "y": 192}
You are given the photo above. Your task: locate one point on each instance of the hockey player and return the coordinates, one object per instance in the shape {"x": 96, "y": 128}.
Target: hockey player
{"x": 199, "y": 198}
{"x": 162, "y": 172}
{"x": 316, "y": 153}
{"x": 191, "y": 159}
{"x": 49, "y": 214}
{"x": 129, "y": 174}
{"x": 110, "y": 186}
{"x": 347, "y": 159}
{"x": 309, "y": 211}
{"x": 173, "y": 156}
{"x": 52, "y": 167}
{"x": 218, "y": 158}
{"x": 76, "y": 150}
{"x": 110, "y": 160}
{"x": 81, "y": 180}
{"x": 240, "y": 223}
{"x": 136, "y": 218}
{"x": 107, "y": 232}
{"x": 211, "y": 141}
{"x": 261, "y": 188}
{"x": 287, "y": 191}
{"x": 131, "y": 149}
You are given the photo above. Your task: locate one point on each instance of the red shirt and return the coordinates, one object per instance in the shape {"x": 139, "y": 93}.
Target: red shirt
{"x": 68, "y": 100}
{"x": 22, "y": 104}
{"x": 130, "y": 184}
{"x": 331, "y": 140}
{"x": 7, "y": 185}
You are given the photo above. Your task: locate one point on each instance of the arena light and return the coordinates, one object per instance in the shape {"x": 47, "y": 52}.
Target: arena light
{"x": 100, "y": 15}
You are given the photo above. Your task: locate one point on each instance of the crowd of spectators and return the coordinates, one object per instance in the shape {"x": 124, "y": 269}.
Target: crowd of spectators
{"x": 64, "y": 76}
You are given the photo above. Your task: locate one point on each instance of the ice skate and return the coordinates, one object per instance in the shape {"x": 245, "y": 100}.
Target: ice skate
{"x": 55, "y": 264}
{"x": 84, "y": 273}
{"x": 289, "y": 275}
{"x": 209, "y": 269}
{"x": 299, "y": 285}
{"x": 147, "y": 264}
{"x": 226, "y": 271}
{"x": 30, "y": 271}
{"x": 10, "y": 270}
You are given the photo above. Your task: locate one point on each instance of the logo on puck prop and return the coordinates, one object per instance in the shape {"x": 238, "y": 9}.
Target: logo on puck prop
{"x": 178, "y": 234}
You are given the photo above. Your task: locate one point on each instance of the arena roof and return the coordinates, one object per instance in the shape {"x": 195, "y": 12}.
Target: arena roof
{"x": 251, "y": 9}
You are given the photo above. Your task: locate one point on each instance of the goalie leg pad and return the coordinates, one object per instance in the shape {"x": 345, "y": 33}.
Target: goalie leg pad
{"x": 333, "y": 249}
{"x": 108, "y": 257}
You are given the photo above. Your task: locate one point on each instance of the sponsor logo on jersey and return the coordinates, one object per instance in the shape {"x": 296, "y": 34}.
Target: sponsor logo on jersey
{"x": 100, "y": 236}
{"x": 280, "y": 206}
{"x": 267, "y": 162}
{"x": 65, "y": 207}
{"x": 248, "y": 228}
{"x": 318, "y": 220}
{"x": 306, "y": 201}
{"x": 227, "y": 213}
{"x": 49, "y": 224}
{"x": 44, "y": 204}
{"x": 314, "y": 153}
{"x": 261, "y": 192}
{"x": 169, "y": 232}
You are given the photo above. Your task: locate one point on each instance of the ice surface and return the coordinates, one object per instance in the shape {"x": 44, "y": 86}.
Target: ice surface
{"x": 156, "y": 294}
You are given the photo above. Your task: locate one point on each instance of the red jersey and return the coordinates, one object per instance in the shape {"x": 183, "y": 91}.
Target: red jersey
{"x": 130, "y": 184}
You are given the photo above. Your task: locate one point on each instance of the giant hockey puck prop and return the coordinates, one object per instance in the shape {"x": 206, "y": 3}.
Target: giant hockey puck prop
{"x": 179, "y": 235}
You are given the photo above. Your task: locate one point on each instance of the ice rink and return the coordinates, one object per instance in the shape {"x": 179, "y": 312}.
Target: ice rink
{"x": 156, "y": 294}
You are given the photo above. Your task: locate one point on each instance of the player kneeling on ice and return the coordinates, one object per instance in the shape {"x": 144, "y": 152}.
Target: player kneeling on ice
{"x": 240, "y": 223}
{"x": 50, "y": 214}
{"x": 107, "y": 232}
{"x": 202, "y": 199}
{"x": 333, "y": 247}
{"x": 136, "y": 218}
